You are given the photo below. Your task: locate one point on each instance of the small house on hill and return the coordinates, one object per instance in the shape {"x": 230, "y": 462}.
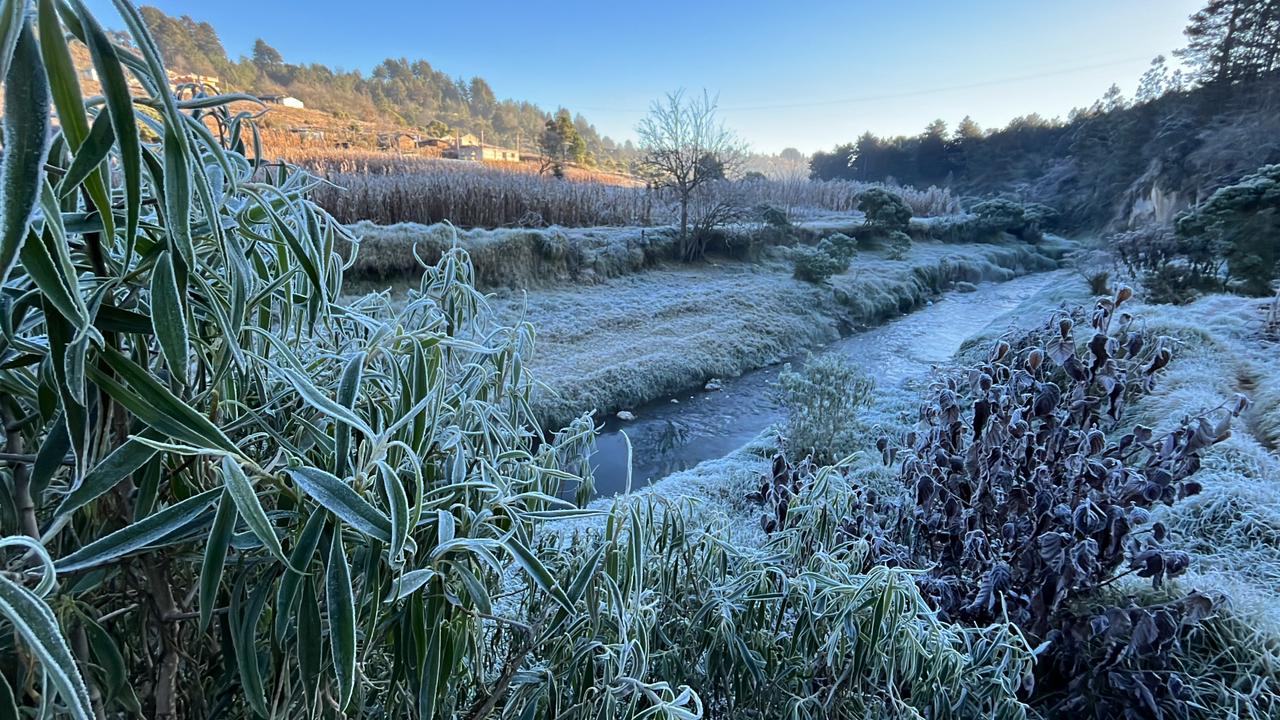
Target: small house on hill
{"x": 492, "y": 153}
{"x": 285, "y": 100}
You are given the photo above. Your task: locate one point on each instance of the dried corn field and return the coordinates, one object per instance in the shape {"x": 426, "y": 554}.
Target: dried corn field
{"x": 387, "y": 188}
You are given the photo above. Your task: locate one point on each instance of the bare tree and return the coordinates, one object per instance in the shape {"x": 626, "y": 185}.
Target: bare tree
{"x": 685, "y": 145}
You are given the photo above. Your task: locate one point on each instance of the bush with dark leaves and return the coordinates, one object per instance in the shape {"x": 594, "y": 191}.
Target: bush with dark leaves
{"x": 1023, "y": 507}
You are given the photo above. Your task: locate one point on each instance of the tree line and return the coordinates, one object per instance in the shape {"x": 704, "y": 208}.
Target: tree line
{"x": 1188, "y": 128}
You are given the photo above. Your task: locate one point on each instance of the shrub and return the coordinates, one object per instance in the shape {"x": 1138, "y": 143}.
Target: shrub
{"x": 897, "y": 245}
{"x": 1099, "y": 282}
{"x": 1173, "y": 268}
{"x": 884, "y": 210}
{"x": 831, "y": 256}
{"x": 1024, "y": 509}
{"x": 1241, "y": 223}
{"x": 1001, "y": 215}
{"x": 823, "y": 400}
{"x": 773, "y": 216}
{"x": 816, "y": 265}
{"x": 840, "y": 245}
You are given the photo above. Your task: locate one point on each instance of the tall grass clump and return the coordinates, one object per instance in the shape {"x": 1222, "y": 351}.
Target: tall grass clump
{"x": 232, "y": 495}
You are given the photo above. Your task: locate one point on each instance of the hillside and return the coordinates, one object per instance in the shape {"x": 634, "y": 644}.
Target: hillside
{"x": 355, "y": 110}
{"x": 1198, "y": 122}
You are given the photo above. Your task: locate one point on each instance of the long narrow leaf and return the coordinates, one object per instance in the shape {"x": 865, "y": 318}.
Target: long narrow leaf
{"x": 139, "y": 535}
{"x": 338, "y": 497}
{"x": 26, "y": 140}
{"x": 39, "y": 629}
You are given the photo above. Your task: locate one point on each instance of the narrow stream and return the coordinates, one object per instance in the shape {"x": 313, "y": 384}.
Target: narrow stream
{"x": 677, "y": 433}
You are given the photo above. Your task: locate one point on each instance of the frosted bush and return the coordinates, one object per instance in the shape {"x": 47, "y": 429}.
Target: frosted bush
{"x": 824, "y": 400}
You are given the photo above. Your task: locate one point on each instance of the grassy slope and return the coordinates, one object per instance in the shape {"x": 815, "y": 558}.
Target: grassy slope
{"x": 640, "y": 337}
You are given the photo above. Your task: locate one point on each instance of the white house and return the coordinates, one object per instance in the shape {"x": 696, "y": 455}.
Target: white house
{"x": 285, "y": 100}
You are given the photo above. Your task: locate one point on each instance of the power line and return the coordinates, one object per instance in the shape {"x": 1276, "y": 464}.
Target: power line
{"x": 897, "y": 95}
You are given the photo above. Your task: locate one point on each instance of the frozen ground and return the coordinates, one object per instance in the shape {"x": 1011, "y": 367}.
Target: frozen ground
{"x": 620, "y": 343}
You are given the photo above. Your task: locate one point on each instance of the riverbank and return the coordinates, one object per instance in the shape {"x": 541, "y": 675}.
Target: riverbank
{"x": 1229, "y": 529}
{"x": 626, "y": 341}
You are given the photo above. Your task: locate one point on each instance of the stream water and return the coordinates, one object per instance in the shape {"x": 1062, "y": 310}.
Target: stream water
{"x": 674, "y": 434}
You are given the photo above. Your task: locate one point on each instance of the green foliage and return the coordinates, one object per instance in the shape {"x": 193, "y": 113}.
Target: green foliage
{"x": 823, "y": 399}
{"x": 831, "y": 256}
{"x": 1241, "y": 223}
{"x": 897, "y": 245}
{"x": 884, "y": 210}
{"x": 561, "y": 142}
{"x": 1000, "y": 215}
{"x": 244, "y": 498}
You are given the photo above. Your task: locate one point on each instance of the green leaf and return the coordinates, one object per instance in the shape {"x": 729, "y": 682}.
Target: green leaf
{"x": 108, "y": 656}
{"x": 53, "y": 451}
{"x": 317, "y": 399}
{"x": 12, "y": 14}
{"x": 168, "y": 315}
{"x": 348, "y": 390}
{"x": 177, "y": 194}
{"x": 155, "y": 405}
{"x": 8, "y": 706}
{"x": 108, "y": 473}
{"x": 215, "y": 556}
{"x": 299, "y": 559}
{"x": 536, "y": 570}
{"x": 97, "y": 146}
{"x": 337, "y": 497}
{"x": 139, "y": 535}
{"x": 340, "y": 601}
{"x": 38, "y": 628}
{"x": 399, "y": 501}
{"x": 246, "y": 499}
{"x": 244, "y": 639}
{"x": 410, "y": 583}
{"x": 69, "y": 102}
{"x": 43, "y": 262}
{"x": 120, "y": 107}
{"x": 26, "y": 138}
{"x": 310, "y": 639}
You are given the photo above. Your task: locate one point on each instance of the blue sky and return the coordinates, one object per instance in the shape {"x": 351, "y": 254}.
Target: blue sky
{"x": 799, "y": 73}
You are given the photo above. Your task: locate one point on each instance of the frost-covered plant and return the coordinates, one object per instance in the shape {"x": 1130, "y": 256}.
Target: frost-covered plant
{"x": 816, "y": 265}
{"x": 1023, "y": 221}
{"x": 1241, "y": 223}
{"x": 897, "y": 245}
{"x": 1024, "y": 508}
{"x": 1173, "y": 267}
{"x": 773, "y": 216}
{"x": 884, "y": 210}
{"x": 823, "y": 400}
{"x": 840, "y": 245}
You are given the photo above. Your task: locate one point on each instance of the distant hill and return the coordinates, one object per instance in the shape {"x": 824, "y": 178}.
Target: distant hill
{"x": 399, "y": 93}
